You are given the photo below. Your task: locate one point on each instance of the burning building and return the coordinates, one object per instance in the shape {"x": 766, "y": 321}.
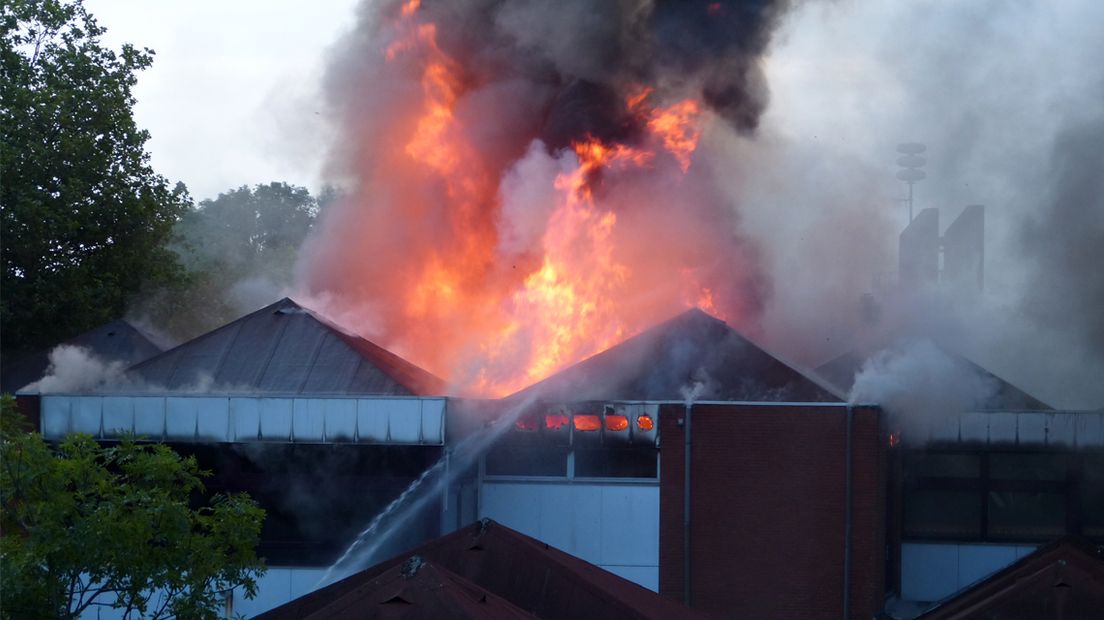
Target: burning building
{"x": 685, "y": 459}
{"x": 532, "y": 198}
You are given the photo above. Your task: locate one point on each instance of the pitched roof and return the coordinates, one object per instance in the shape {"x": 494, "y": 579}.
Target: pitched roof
{"x": 840, "y": 372}
{"x": 117, "y": 341}
{"x": 1064, "y": 579}
{"x": 416, "y": 589}
{"x": 529, "y": 574}
{"x": 660, "y": 362}
{"x": 287, "y": 349}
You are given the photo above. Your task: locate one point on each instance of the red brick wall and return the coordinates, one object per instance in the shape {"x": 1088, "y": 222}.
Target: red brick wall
{"x": 767, "y": 510}
{"x": 30, "y": 407}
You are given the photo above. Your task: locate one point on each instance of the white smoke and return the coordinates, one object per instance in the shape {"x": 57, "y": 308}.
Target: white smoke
{"x": 920, "y": 386}
{"x": 74, "y": 368}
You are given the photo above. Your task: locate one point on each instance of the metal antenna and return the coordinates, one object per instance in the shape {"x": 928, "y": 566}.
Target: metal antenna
{"x": 911, "y": 163}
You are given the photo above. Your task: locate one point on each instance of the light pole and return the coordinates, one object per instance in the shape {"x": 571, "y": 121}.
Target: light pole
{"x": 911, "y": 163}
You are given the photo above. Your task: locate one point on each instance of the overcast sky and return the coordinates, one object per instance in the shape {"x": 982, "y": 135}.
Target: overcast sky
{"x": 230, "y": 98}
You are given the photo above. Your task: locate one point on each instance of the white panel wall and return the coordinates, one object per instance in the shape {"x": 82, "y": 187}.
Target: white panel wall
{"x": 414, "y": 421}
{"x": 933, "y": 571}
{"x": 615, "y": 526}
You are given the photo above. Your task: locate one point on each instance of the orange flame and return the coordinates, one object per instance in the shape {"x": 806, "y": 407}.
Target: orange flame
{"x": 451, "y": 303}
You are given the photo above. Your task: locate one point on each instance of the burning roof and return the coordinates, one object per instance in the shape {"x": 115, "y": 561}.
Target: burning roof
{"x": 285, "y": 348}
{"x": 530, "y": 574}
{"x": 664, "y": 361}
{"x": 117, "y": 341}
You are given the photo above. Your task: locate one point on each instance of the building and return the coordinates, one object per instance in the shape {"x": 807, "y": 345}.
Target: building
{"x": 686, "y": 460}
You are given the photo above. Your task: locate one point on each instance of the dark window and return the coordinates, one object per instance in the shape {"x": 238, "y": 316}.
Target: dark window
{"x": 942, "y": 514}
{"x": 533, "y": 460}
{"x": 617, "y": 463}
{"x": 938, "y": 465}
{"x": 1092, "y": 496}
{"x": 1002, "y": 496}
{"x": 1018, "y": 514}
{"x": 1027, "y": 466}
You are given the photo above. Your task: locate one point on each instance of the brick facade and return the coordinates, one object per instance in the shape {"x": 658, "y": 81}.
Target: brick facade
{"x": 767, "y": 510}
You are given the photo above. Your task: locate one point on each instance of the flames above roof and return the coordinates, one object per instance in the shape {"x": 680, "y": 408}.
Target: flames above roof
{"x": 286, "y": 348}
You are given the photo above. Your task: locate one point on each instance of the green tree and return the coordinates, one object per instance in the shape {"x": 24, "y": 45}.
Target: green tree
{"x": 86, "y": 525}
{"x": 84, "y": 218}
{"x": 237, "y": 248}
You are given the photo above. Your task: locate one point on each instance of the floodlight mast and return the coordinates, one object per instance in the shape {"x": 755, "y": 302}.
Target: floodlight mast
{"x": 911, "y": 163}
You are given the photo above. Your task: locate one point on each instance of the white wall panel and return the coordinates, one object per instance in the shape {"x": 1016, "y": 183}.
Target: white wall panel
{"x": 611, "y": 525}
{"x": 118, "y": 415}
{"x": 86, "y": 412}
{"x": 55, "y": 412}
{"x": 149, "y": 417}
{"x": 308, "y": 419}
{"x": 372, "y": 421}
{"x": 180, "y": 418}
{"x": 245, "y": 419}
{"x": 341, "y": 419}
{"x": 276, "y": 419}
{"x": 433, "y": 421}
{"x": 212, "y": 419}
{"x": 933, "y": 571}
{"x": 404, "y": 421}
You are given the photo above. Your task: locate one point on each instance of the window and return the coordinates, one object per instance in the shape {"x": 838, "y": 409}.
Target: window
{"x": 1002, "y": 496}
{"x": 532, "y": 460}
{"x": 614, "y": 463}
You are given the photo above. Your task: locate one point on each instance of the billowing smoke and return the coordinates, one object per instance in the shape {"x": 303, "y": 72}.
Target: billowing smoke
{"x": 527, "y": 182}
{"x": 78, "y": 369}
{"x": 920, "y": 387}
{"x": 74, "y": 368}
{"x": 1007, "y": 99}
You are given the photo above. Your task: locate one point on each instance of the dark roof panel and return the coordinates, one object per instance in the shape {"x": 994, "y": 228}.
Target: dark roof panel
{"x": 286, "y": 349}
{"x": 691, "y": 348}
{"x": 840, "y": 371}
{"x": 117, "y": 341}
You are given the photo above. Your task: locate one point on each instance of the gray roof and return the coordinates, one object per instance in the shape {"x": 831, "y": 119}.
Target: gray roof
{"x": 693, "y": 347}
{"x": 285, "y": 348}
{"x": 117, "y": 341}
{"x": 840, "y": 372}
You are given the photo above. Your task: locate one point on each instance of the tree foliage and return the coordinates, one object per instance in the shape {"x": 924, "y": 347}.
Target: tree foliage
{"x": 86, "y": 526}
{"x": 84, "y": 218}
{"x": 239, "y": 250}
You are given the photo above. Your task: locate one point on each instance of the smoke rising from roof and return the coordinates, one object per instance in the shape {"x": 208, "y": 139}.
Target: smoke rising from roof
{"x": 1006, "y": 97}
{"x": 464, "y": 123}
{"x": 920, "y": 387}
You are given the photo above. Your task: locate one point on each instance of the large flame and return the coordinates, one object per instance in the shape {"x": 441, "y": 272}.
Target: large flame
{"x": 496, "y": 295}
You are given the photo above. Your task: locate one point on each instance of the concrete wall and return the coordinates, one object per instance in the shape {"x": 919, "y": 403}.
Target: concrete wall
{"x": 767, "y": 510}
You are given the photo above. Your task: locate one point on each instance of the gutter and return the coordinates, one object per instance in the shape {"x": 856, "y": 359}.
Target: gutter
{"x": 686, "y": 507}
{"x": 847, "y": 519}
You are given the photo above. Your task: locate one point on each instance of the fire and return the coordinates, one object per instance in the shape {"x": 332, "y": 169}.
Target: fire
{"x": 618, "y": 245}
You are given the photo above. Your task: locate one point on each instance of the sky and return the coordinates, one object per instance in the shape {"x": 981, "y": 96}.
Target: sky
{"x": 999, "y": 90}
{"x": 231, "y": 97}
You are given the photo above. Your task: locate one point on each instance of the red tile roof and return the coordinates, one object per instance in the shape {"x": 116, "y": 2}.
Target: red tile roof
{"x": 531, "y": 575}
{"x": 416, "y": 589}
{"x": 1063, "y": 581}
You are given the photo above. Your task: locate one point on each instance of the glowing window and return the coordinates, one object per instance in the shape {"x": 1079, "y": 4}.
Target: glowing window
{"x": 526, "y": 424}
{"x": 616, "y": 422}
{"x": 556, "y": 421}
{"x": 645, "y": 423}
{"x": 587, "y": 422}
